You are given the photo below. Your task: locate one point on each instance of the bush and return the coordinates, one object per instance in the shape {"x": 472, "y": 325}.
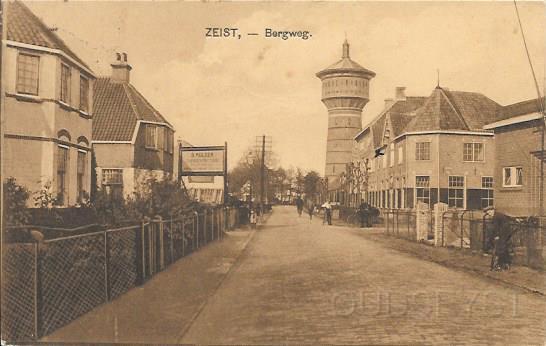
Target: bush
{"x": 15, "y": 203}
{"x": 153, "y": 198}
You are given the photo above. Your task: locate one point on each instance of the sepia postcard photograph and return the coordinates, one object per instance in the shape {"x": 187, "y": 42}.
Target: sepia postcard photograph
{"x": 273, "y": 173}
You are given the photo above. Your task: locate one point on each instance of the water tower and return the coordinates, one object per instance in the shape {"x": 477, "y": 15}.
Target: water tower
{"x": 345, "y": 92}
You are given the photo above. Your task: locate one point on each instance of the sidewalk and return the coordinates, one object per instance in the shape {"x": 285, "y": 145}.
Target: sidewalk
{"x": 149, "y": 314}
{"x": 460, "y": 259}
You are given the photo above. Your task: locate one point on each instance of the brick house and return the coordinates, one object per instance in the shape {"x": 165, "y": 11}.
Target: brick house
{"x": 132, "y": 141}
{"x": 435, "y": 150}
{"x": 517, "y": 170}
{"x": 48, "y": 109}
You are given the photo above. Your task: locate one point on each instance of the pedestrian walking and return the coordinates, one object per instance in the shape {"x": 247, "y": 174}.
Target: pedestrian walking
{"x": 311, "y": 210}
{"x": 299, "y": 205}
{"x": 253, "y": 219}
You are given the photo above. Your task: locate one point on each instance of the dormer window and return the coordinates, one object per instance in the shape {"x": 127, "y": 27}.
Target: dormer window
{"x": 28, "y": 68}
{"x": 65, "y": 83}
{"x": 84, "y": 94}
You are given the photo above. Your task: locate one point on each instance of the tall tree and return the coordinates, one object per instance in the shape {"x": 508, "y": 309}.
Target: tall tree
{"x": 311, "y": 184}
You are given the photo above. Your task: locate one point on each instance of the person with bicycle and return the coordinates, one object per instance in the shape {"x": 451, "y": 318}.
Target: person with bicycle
{"x": 364, "y": 214}
{"x": 328, "y": 212}
{"x": 501, "y": 257}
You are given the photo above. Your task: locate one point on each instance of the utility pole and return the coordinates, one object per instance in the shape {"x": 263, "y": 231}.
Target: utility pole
{"x": 3, "y": 38}
{"x": 226, "y": 193}
{"x": 262, "y": 175}
{"x": 541, "y": 105}
{"x": 262, "y": 149}
{"x": 542, "y": 157}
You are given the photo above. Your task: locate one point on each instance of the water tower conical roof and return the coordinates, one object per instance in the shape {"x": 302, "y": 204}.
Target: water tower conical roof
{"x": 346, "y": 64}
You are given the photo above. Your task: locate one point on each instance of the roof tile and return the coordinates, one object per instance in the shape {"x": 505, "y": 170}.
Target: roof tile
{"x": 117, "y": 108}
{"x": 25, "y": 27}
{"x": 521, "y": 108}
{"x": 453, "y": 110}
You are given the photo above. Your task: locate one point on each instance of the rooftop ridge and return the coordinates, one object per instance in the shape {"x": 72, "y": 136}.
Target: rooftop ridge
{"x": 152, "y": 108}
{"x": 131, "y": 100}
{"x": 454, "y": 107}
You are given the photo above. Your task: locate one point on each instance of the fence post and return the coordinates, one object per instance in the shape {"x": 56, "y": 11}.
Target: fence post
{"x": 397, "y": 226}
{"x": 205, "y": 226}
{"x": 195, "y": 232}
{"x": 215, "y": 223}
{"x": 139, "y": 252}
{"x": 387, "y": 214}
{"x": 183, "y": 236}
{"x": 106, "y": 260}
{"x": 161, "y": 243}
{"x": 409, "y": 220}
{"x": 196, "y": 228}
{"x": 36, "y": 292}
{"x": 212, "y": 225}
{"x": 143, "y": 238}
{"x": 528, "y": 242}
{"x": 172, "y": 240}
{"x": 220, "y": 222}
{"x": 462, "y": 233}
{"x": 443, "y": 228}
{"x": 484, "y": 235}
{"x": 151, "y": 247}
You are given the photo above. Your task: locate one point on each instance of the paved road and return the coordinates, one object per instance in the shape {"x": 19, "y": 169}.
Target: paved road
{"x": 302, "y": 282}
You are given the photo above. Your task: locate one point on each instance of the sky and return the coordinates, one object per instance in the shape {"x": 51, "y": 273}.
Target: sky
{"x": 216, "y": 90}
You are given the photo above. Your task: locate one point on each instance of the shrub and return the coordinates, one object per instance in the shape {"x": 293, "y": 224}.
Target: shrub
{"x": 15, "y": 203}
{"x": 45, "y": 198}
{"x": 162, "y": 198}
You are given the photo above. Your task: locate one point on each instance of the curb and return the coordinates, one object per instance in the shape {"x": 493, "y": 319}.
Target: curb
{"x": 195, "y": 316}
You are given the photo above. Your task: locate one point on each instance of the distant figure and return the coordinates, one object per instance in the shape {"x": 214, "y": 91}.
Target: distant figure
{"x": 328, "y": 212}
{"x": 502, "y": 242}
{"x": 253, "y": 219}
{"x": 311, "y": 210}
{"x": 364, "y": 214}
{"x": 299, "y": 205}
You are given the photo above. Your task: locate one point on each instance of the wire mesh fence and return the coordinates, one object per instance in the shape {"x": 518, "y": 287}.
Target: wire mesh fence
{"x": 71, "y": 279}
{"x": 469, "y": 229}
{"x": 49, "y": 284}
{"x": 400, "y": 223}
{"x": 18, "y": 291}
{"x": 121, "y": 259}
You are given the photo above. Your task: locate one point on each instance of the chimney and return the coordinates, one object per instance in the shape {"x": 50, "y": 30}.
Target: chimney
{"x": 400, "y": 93}
{"x": 388, "y": 103}
{"x": 121, "y": 70}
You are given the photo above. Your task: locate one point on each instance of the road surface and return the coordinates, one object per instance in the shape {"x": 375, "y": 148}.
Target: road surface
{"x": 302, "y": 282}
